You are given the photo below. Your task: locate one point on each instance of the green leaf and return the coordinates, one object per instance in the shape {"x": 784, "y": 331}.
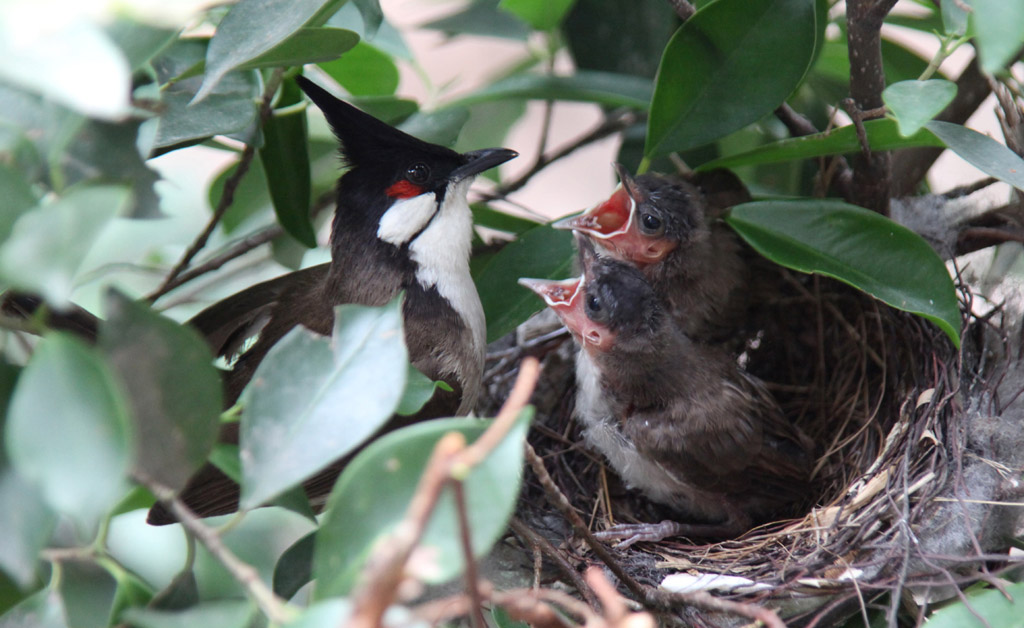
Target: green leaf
{"x": 981, "y": 151}
{"x": 285, "y": 159}
{"x": 312, "y": 400}
{"x": 882, "y": 135}
{"x": 48, "y": 244}
{"x": 373, "y": 492}
{"x": 438, "y": 127}
{"x": 617, "y": 36}
{"x": 43, "y": 609}
{"x": 954, "y": 19}
{"x": 856, "y": 246}
{"x": 18, "y": 198}
{"x": 998, "y": 35}
{"x": 502, "y": 619}
{"x": 603, "y": 88}
{"x": 759, "y": 49}
{"x": 25, "y": 524}
{"x": 987, "y": 607}
{"x": 172, "y": 388}
{"x": 418, "y": 390}
{"x": 229, "y": 108}
{"x": 88, "y": 592}
{"x": 68, "y": 430}
{"x": 386, "y": 108}
{"x": 252, "y": 195}
{"x": 295, "y": 567}
{"x": 220, "y": 613}
{"x": 306, "y": 45}
{"x": 335, "y": 612}
{"x": 481, "y": 18}
{"x": 234, "y": 45}
{"x": 484, "y": 216}
{"x": 914, "y": 103}
{"x": 372, "y": 16}
{"x": 542, "y": 15}
{"x": 543, "y": 253}
{"x": 138, "y": 41}
{"x": 489, "y": 124}
{"x": 364, "y": 71}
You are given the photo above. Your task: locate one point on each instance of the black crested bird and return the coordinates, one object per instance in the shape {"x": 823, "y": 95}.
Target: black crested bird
{"x": 402, "y": 223}
{"x": 667, "y": 227}
{"x": 676, "y": 419}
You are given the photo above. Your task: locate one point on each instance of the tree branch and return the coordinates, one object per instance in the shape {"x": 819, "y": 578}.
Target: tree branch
{"x": 834, "y": 172}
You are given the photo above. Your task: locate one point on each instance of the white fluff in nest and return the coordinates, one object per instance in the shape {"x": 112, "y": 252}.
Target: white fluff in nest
{"x": 688, "y": 583}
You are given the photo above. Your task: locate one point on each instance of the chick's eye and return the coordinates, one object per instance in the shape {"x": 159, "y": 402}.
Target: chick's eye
{"x": 418, "y": 173}
{"x": 593, "y": 304}
{"x": 651, "y": 223}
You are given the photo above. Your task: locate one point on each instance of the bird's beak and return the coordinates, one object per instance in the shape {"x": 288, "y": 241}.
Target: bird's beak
{"x": 606, "y": 220}
{"x": 566, "y": 298}
{"x": 479, "y": 160}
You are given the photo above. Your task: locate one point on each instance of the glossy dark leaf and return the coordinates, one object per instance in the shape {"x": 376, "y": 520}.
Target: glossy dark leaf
{"x": 68, "y": 430}
{"x": 882, "y": 135}
{"x": 171, "y": 386}
{"x": 856, "y": 246}
{"x": 233, "y": 45}
{"x": 306, "y": 45}
{"x": 914, "y": 103}
{"x": 481, "y": 18}
{"x": 219, "y": 613}
{"x": 313, "y": 399}
{"x": 603, "y": 88}
{"x": 542, "y": 15}
{"x": 364, "y": 71}
{"x": 285, "y": 159}
{"x": 295, "y": 567}
{"x": 620, "y": 36}
{"x": 543, "y": 253}
{"x": 981, "y": 151}
{"x": 25, "y": 525}
{"x": 373, "y": 492}
{"x": 760, "y": 50}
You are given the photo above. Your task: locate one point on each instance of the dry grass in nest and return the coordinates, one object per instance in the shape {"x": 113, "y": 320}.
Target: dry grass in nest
{"x": 878, "y": 389}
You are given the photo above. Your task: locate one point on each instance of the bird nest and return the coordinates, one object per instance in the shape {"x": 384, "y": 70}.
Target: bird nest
{"x": 912, "y": 461}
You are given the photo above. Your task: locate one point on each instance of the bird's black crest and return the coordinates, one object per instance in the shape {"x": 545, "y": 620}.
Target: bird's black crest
{"x": 632, "y": 303}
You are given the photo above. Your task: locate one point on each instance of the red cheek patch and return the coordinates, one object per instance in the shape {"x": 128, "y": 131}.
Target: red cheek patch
{"x": 403, "y": 189}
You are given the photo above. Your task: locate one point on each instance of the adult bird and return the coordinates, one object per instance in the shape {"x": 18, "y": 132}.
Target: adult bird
{"x": 402, "y": 223}
{"x": 669, "y": 228}
{"x": 676, "y": 419}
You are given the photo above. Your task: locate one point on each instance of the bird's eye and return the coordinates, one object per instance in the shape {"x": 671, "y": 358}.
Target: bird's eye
{"x": 418, "y": 173}
{"x": 593, "y": 305}
{"x": 651, "y": 224}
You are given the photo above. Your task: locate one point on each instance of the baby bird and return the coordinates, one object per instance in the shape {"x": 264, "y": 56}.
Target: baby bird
{"x": 676, "y": 419}
{"x": 665, "y": 227}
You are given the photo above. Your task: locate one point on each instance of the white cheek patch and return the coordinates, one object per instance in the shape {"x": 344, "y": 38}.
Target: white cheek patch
{"x": 406, "y": 218}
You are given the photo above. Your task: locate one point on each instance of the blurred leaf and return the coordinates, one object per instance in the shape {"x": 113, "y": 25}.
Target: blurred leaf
{"x": 543, "y": 253}
{"x": 131, "y": 590}
{"x": 981, "y": 151}
{"x": 484, "y": 216}
{"x": 438, "y": 127}
{"x": 25, "y": 525}
{"x": 986, "y": 607}
{"x": 489, "y": 124}
{"x": 372, "y": 15}
{"x": 603, "y": 88}
{"x": 225, "y": 457}
{"x": 295, "y": 567}
{"x": 620, "y": 36}
{"x": 483, "y": 18}
{"x": 373, "y": 492}
{"x": 219, "y": 613}
{"x": 285, "y": 160}
{"x": 71, "y": 61}
{"x": 173, "y": 390}
{"x": 758, "y": 49}
{"x": 913, "y": 103}
{"x": 18, "y": 198}
{"x": 387, "y": 108}
{"x": 251, "y": 196}
{"x": 418, "y": 390}
{"x": 882, "y": 135}
{"x": 227, "y": 109}
{"x": 383, "y": 35}
{"x": 138, "y": 41}
{"x": 68, "y": 430}
{"x": 998, "y": 35}
{"x": 47, "y": 244}
{"x": 335, "y": 612}
{"x": 856, "y": 246}
{"x": 233, "y": 45}
{"x": 900, "y": 63}
{"x": 43, "y": 609}
{"x": 181, "y": 593}
{"x": 542, "y": 15}
{"x": 954, "y": 19}
{"x": 364, "y": 71}
{"x": 502, "y": 619}
{"x": 88, "y": 592}
{"x": 314, "y": 399}
{"x": 306, "y": 45}
{"x": 929, "y": 22}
